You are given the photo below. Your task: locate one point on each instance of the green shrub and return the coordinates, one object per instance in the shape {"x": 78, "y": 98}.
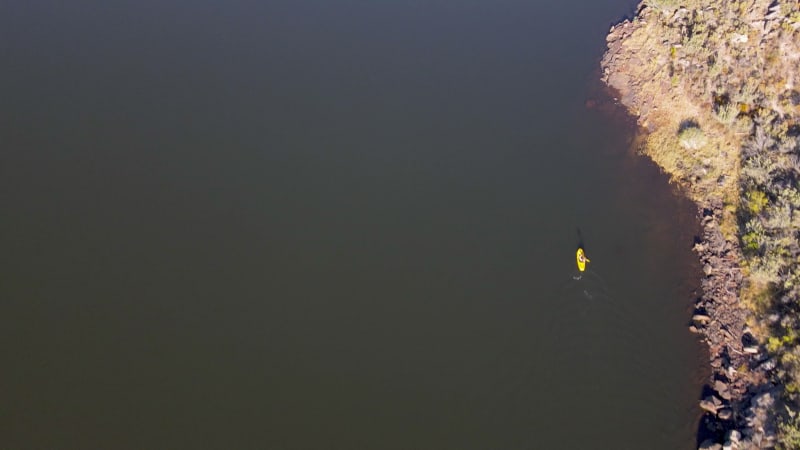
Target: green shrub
{"x": 692, "y": 138}
{"x": 756, "y": 201}
{"x": 774, "y": 344}
{"x": 750, "y": 241}
{"x": 759, "y": 170}
{"x": 790, "y": 431}
{"x": 726, "y": 113}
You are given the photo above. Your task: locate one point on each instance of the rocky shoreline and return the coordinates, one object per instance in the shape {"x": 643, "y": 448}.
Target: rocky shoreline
{"x": 740, "y": 400}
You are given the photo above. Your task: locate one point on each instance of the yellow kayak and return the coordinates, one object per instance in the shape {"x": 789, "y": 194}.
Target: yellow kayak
{"x": 582, "y": 259}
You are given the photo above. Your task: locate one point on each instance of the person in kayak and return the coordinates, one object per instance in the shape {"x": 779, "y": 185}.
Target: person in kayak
{"x": 582, "y": 259}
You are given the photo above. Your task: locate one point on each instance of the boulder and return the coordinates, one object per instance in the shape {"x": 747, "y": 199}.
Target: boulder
{"x": 725, "y": 414}
{"x": 722, "y": 389}
{"x": 769, "y": 364}
{"x": 710, "y": 404}
{"x": 734, "y": 436}
{"x": 701, "y": 319}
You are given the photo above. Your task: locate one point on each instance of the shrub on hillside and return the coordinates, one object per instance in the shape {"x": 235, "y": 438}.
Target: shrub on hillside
{"x": 726, "y": 113}
{"x": 692, "y": 138}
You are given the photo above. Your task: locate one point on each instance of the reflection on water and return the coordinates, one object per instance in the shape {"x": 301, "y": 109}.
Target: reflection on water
{"x": 332, "y": 225}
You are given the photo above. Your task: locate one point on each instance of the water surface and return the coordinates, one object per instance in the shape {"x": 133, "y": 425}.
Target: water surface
{"x": 332, "y": 225}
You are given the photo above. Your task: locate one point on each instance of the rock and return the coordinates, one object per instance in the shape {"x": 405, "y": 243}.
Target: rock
{"x": 734, "y": 436}
{"x": 708, "y": 444}
{"x": 764, "y": 400}
{"x": 693, "y": 329}
{"x": 725, "y": 414}
{"x": 769, "y": 364}
{"x": 701, "y": 319}
{"x": 722, "y": 389}
{"x": 739, "y": 38}
{"x": 728, "y": 445}
{"x": 774, "y": 318}
{"x": 751, "y": 349}
{"x": 710, "y": 404}
{"x": 707, "y": 269}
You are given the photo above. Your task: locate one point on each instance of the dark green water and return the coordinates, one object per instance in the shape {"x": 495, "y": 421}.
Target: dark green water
{"x": 332, "y": 225}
